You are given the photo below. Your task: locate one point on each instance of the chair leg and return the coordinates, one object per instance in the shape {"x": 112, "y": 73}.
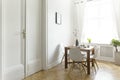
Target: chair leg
{"x": 96, "y": 63}
{"x": 71, "y": 68}
{"x": 62, "y": 58}
{"x": 79, "y": 67}
{"x": 93, "y": 63}
{"x": 83, "y": 67}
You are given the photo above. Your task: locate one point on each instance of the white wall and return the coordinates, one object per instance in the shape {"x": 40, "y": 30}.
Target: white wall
{"x": 57, "y": 34}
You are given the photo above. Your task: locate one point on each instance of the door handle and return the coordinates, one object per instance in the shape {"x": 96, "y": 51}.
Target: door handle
{"x": 24, "y": 34}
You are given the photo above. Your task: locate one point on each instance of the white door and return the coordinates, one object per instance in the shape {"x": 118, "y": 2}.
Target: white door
{"x": 33, "y": 36}
{"x": 12, "y": 40}
{"x": 22, "y": 56}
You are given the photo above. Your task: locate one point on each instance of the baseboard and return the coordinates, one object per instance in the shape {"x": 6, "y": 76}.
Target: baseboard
{"x": 33, "y": 67}
{"x": 14, "y": 73}
{"x": 54, "y": 63}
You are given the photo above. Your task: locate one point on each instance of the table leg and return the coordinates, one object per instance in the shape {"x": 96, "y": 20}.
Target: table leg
{"x": 66, "y": 66}
{"x": 93, "y": 63}
{"x": 93, "y": 52}
{"x": 88, "y": 62}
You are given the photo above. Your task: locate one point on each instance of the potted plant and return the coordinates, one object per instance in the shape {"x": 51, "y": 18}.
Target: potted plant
{"x": 89, "y": 40}
{"x": 115, "y": 43}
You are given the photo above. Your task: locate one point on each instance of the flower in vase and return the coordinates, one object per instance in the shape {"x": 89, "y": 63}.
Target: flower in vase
{"x": 75, "y": 33}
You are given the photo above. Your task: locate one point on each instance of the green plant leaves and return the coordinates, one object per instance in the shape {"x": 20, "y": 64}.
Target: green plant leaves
{"x": 115, "y": 42}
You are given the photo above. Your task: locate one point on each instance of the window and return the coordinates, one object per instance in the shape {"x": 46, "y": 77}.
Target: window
{"x": 99, "y": 23}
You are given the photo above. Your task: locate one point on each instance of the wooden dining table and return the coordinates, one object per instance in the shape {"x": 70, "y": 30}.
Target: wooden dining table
{"x": 87, "y": 50}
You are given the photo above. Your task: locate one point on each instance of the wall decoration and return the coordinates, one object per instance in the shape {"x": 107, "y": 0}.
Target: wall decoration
{"x": 58, "y": 18}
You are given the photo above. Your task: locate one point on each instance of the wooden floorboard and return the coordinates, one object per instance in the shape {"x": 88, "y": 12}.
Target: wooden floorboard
{"x": 106, "y": 71}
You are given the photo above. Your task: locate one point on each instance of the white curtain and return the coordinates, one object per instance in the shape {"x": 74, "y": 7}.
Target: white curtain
{"x": 116, "y": 5}
{"x": 78, "y": 16}
{"x": 99, "y": 22}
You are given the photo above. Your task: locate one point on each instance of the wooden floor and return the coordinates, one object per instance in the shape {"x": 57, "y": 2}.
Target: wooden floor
{"x": 106, "y": 71}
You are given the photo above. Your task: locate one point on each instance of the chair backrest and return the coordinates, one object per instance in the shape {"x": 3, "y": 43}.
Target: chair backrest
{"x": 96, "y": 49}
{"x": 75, "y": 54}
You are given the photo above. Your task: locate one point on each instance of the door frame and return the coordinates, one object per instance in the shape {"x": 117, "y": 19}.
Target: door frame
{"x": 45, "y": 34}
{"x": 23, "y": 39}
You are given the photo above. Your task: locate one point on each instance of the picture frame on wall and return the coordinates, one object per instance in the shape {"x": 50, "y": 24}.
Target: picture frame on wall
{"x": 58, "y": 18}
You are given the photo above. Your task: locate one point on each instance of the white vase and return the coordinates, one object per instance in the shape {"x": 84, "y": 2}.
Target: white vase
{"x": 117, "y": 58}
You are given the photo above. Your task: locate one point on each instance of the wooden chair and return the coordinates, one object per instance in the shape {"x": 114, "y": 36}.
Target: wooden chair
{"x": 62, "y": 51}
{"x": 76, "y": 57}
{"x": 93, "y": 56}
